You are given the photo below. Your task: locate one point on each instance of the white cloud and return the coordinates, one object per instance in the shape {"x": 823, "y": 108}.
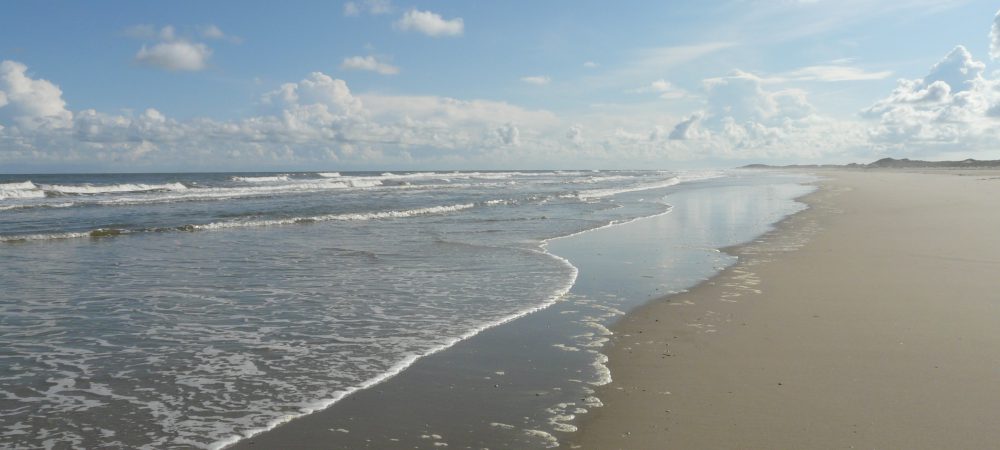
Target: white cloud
{"x": 369, "y": 63}
{"x": 214, "y": 32}
{"x": 575, "y": 134}
{"x": 958, "y": 69}
{"x": 374, "y": 7}
{"x": 663, "y": 88}
{"x": 590, "y": 65}
{"x": 953, "y": 107}
{"x": 995, "y": 38}
{"x": 175, "y": 56}
{"x": 30, "y": 103}
{"x": 509, "y": 134}
{"x": 316, "y": 119}
{"x": 319, "y": 120}
{"x": 538, "y": 80}
{"x": 833, "y": 72}
{"x": 429, "y": 23}
{"x": 172, "y": 51}
{"x": 318, "y": 89}
{"x": 686, "y": 129}
{"x": 167, "y": 33}
{"x": 741, "y": 97}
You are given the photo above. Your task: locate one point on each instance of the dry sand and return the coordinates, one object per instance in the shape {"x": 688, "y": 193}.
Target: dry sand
{"x": 871, "y": 320}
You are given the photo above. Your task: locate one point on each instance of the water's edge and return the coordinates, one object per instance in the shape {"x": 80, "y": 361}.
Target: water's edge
{"x": 560, "y": 295}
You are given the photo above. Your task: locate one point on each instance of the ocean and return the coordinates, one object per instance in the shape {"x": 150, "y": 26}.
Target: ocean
{"x": 195, "y": 310}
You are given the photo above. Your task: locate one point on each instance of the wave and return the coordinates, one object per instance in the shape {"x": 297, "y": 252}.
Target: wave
{"x": 227, "y": 193}
{"x": 84, "y": 189}
{"x": 557, "y": 295}
{"x": 329, "y": 174}
{"x": 683, "y": 177}
{"x": 600, "y": 193}
{"x": 23, "y": 189}
{"x": 44, "y": 237}
{"x": 332, "y": 217}
{"x": 37, "y": 205}
{"x": 268, "y": 179}
{"x": 112, "y": 232}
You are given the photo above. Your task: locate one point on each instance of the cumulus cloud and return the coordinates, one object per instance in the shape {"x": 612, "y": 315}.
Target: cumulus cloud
{"x": 509, "y": 134}
{"x": 538, "y": 80}
{"x": 954, "y": 106}
{"x": 575, "y": 134}
{"x": 742, "y": 97}
{"x": 430, "y": 23}
{"x": 686, "y": 129}
{"x": 958, "y": 69}
{"x": 369, "y": 63}
{"x": 316, "y": 90}
{"x": 30, "y": 103}
{"x": 175, "y": 56}
{"x": 590, "y": 65}
{"x": 316, "y": 119}
{"x": 744, "y": 119}
{"x": 170, "y": 50}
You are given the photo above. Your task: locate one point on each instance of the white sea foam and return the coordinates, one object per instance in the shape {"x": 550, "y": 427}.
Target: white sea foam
{"x": 357, "y": 182}
{"x": 330, "y": 217}
{"x": 43, "y": 236}
{"x": 111, "y": 188}
{"x": 21, "y": 190}
{"x": 600, "y": 193}
{"x": 410, "y": 359}
{"x": 377, "y": 215}
{"x": 682, "y": 177}
{"x": 548, "y": 440}
{"x": 329, "y": 174}
{"x": 267, "y": 179}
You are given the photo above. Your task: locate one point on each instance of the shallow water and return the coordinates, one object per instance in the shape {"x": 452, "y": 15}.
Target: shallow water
{"x": 190, "y": 309}
{"x": 525, "y": 384}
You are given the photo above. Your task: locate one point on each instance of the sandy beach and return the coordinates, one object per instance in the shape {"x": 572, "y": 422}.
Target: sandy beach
{"x": 870, "y": 320}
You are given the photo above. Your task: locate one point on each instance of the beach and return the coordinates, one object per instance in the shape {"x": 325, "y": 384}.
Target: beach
{"x": 870, "y": 320}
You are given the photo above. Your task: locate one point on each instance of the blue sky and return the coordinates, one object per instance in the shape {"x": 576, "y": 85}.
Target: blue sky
{"x": 143, "y": 86}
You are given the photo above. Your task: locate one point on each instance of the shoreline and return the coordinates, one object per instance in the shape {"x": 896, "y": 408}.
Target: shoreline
{"x": 512, "y": 368}
{"x": 826, "y": 333}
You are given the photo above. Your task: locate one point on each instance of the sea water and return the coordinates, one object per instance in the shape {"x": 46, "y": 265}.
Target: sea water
{"x": 157, "y": 310}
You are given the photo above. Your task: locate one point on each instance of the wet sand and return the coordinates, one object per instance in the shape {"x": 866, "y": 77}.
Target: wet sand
{"x": 871, "y": 320}
{"x": 524, "y": 384}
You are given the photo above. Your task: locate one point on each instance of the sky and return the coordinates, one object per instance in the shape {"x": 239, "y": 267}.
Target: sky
{"x": 124, "y": 86}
